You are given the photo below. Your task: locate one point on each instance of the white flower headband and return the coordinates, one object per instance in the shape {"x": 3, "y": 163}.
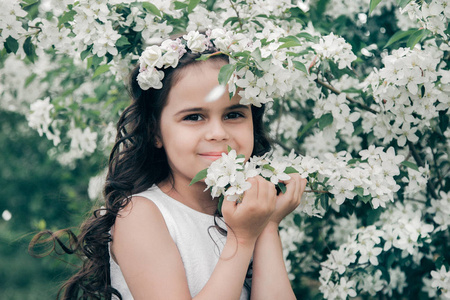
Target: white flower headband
{"x": 167, "y": 55}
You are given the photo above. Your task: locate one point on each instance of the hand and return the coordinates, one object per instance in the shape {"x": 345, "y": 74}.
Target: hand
{"x": 289, "y": 201}
{"x": 247, "y": 219}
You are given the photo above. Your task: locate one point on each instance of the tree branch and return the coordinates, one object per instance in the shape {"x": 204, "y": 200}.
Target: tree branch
{"x": 350, "y": 99}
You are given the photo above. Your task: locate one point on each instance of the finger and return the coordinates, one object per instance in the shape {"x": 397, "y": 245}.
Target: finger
{"x": 251, "y": 193}
{"x": 291, "y": 186}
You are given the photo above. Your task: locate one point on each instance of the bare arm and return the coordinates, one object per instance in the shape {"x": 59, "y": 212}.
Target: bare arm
{"x": 151, "y": 263}
{"x": 270, "y": 279}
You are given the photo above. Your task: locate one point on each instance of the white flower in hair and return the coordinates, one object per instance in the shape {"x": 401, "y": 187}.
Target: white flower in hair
{"x": 196, "y": 41}
{"x": 174, "y": 46}
{"x": 150, "y": 78}
{"x": 151, "y": 57}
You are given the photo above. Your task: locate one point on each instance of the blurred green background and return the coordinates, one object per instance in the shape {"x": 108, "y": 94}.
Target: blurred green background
{"x": 39, "y": 193}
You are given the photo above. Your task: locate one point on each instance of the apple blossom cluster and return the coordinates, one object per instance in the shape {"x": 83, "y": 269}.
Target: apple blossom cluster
{"x": 433, "y": 16}
{"x": 83, "y": 142}
{"x": 440, "y": 210}
{"x": 337, "y": 106}
{"x": 410, "y": 90}
{"x": 441, "y": 281}
{"x": 10, "y": 26}
{"x": 355, "y": 10}
{"x": 40, "y": 119}
{"x": 371, "y": 178}
{"x": 399, "y": 227}
{"x": 335, "y": 48}
{"x": 227, "y": 176}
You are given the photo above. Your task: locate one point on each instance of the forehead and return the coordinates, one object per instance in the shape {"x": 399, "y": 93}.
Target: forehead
{"x": 193, "y": 85}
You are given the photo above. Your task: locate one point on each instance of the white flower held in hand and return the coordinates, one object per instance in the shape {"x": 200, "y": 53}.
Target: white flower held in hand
{"x": 228, "y": 175}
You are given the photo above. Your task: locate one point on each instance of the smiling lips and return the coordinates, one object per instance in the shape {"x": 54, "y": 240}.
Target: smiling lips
{"x": 212, "y": 155}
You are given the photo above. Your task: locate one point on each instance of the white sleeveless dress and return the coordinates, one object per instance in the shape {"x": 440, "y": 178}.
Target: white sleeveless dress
{"x": 199, "y": 244}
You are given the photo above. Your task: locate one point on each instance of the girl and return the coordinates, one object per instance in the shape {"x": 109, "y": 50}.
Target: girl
{"x": 159, "y": 237}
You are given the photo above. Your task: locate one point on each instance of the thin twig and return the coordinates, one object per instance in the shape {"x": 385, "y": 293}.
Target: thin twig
{"x": 350, "y": 99}
{"x": 237, "y": 14}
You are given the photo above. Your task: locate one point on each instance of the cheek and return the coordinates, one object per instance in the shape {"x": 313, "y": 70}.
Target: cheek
{"x": 247, "y": 140}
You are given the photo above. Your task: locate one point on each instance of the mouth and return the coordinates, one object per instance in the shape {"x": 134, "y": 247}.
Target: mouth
{"x": 211, "y": 155}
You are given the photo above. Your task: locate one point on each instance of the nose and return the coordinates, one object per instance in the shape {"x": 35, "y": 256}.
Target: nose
{"x": 216, "y": 131}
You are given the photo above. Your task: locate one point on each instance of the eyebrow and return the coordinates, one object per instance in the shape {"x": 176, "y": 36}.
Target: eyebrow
{"x": 199, "y": 109}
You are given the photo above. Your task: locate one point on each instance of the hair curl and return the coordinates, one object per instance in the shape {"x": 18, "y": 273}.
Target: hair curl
{"x": 135, "y": 164}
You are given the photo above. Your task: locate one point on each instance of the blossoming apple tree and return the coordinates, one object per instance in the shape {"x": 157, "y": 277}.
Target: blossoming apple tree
{"x": 358, "y": 100}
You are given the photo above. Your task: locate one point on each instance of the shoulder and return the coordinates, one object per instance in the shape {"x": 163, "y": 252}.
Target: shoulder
{"x": 144, "y": 249}
{"x": 137, "y": 227}
{"x": 139, "y": 214}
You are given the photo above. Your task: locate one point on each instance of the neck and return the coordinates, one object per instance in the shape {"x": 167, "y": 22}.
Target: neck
{"x": 193, "y": 196}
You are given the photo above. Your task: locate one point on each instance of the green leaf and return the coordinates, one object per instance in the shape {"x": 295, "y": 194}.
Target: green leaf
{"x": 122, "y": 41}
{"x": 310, "y": 124}
{"x": 85, "y": 53}
{"x": 242, "y": 54}
{"x": 384, "y": 273}
{"x": 268, "y": 167}
{"x": 282, "y": 187}
{"x": 359, "y": 191}
{"x": 151, "y": 8}
{"x": 100, "y": 70}
{"x": 439, "y": 262}
{"x": 66, "y": 17}
{"x": 29, "y": 49}
{"x": 30, "y": 79}
{"x": 200, "y": 175}
{"x": 391, "y": 259}
{"x": 90, "y": 100}
{"x": 299, "y": 66}
{"x": 289, "y": 44}
{"x": 353, "y": 160}
{"x": 443, "y": 120}
{"x": 231, "y": 20}
{"x": 225, "y": 73}
{"x": 96, "y": 61}
{"x": 11, "y": 45}
{"x": 416, "y": 37}
{"x": 229, "y": 149}
{"x": 290, "y": 170}
{"x": 398, "y": 36}
{"x": 410, "y": 165}
{"x": 204, "y": 57}
{"x": 324, "y": 201}
{"x": 403, "y": 3}
{"x": 192, "y": 4}
{"x": 373, "y": 215}
{"x": 325, "y": 120}
{"x": 290, "y": 38}
{"x": 306, "y": 36}
{"x": 180, "y": 5}
{"x": 365, "y": 199}
{"x": 373, "y": 5}
{"x": 240, "y": 156}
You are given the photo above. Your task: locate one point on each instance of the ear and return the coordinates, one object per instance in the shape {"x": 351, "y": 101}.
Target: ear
{"x": 158, "y": 142}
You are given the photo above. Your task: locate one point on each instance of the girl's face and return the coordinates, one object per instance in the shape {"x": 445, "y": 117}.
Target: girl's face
{"x": 194, "y": 132}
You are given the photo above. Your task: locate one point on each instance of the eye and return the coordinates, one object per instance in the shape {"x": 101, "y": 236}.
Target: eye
{"x": 234, "y": 115}
{"x": 193, "y": 117}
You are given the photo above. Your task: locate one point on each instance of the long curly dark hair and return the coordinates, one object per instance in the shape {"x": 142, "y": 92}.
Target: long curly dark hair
{"x": 135, "y": 164}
